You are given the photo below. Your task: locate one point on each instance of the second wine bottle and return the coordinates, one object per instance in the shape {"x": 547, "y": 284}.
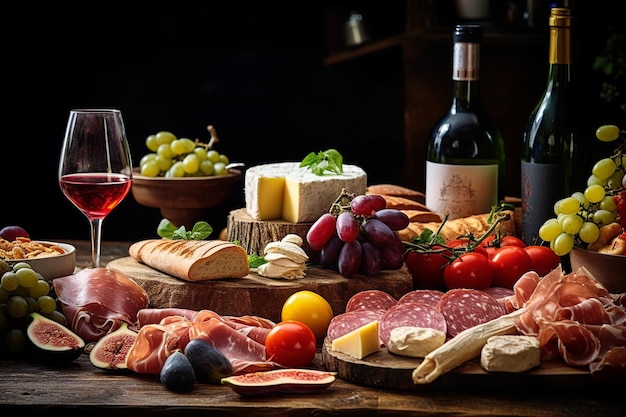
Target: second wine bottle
{"x": 465, "y": 157}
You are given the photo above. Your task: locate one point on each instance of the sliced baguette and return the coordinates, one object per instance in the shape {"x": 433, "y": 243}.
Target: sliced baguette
{"x": 192, "y": 260}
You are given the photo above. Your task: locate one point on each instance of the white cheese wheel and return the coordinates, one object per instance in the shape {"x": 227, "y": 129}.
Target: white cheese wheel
{"x": 415, "y": 342}
{"x": 510, "y": 353}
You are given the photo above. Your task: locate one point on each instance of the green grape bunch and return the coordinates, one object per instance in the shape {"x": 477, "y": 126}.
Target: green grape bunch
{"x": 22, "y": 292}
{"x": 173, "y": 157}
{"x": 580, "y": 216}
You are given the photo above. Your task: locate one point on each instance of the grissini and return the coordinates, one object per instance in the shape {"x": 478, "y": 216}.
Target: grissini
{"x": 192, "y": 260}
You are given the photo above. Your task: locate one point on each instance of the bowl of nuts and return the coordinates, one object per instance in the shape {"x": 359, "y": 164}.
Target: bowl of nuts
{"x": 50, "y": 259}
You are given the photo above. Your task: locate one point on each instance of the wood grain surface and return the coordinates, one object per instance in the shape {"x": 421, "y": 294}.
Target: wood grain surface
{"x": 386, "y": 370}
{"x": 254, "y": 294}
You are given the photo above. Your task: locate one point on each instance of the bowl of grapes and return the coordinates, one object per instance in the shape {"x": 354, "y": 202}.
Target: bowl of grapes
{"x": 183, "y": 177}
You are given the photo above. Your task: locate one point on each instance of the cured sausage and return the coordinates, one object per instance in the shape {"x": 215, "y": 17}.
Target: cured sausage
{"x": 464, "y": 308}
{"x": 430, "y": 297}
{"x": 344, "y": 323}
{"x": 370, "y": 300}
{"x": 412, "y": 314}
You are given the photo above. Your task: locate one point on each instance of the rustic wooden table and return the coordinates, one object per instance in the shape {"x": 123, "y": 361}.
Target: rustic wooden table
{"x": 81, "y": 389}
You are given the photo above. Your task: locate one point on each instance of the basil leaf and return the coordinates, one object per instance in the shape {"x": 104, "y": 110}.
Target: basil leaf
{"x": 322, "y": 162}
{"x": 200, "y": 231}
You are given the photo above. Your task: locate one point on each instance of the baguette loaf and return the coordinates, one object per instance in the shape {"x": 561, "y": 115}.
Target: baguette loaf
{"x": 477, "y": 225}
{"x": 397, "y": 191}
{"x": 192, "y": 260}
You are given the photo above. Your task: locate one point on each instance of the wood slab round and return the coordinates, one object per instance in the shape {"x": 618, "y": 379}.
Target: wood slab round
{"x": 254, "y": 294}
{"x": 386, "y": 370}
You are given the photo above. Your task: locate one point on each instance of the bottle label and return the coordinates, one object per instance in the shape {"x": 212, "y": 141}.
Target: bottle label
{"x": 542, "y": 186}
{"x": 461, "y": 190}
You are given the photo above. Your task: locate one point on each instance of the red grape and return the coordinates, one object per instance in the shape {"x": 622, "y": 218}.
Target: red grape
{"x": 378, "y": 202}
{"x": 361, "y": 205}
{"x": 347, "y": 227}
{"x": 321, "y": 231}
{"x": 392, "y": 258}
{"x": 349, "y": 259}
{"x": 11, "y": 232}
{"x": 371, "y": 260}
{"x": 330, "y": 252}
{"x": 395, "y": 219}
{"x": 378, "y": 233}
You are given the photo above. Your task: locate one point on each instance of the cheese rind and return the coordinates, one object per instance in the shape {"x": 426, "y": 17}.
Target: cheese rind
{"x": 510, "y": 353}
{"x": 304, "y": 196}
{"x": 360, "y": 342}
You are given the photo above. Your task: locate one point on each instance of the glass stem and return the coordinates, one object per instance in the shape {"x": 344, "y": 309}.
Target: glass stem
{"x": 96, "y": 230}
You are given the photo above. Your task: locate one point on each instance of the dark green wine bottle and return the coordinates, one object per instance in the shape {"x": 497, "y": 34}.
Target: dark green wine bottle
{"x": 550, "y": 165}
{"x": 465, "y": 157}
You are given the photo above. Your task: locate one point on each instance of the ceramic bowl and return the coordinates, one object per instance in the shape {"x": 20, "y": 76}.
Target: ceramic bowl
{"x": 52, "y": 266}
{"x": 183, "y": 201}
{"x": 610, "y": 270}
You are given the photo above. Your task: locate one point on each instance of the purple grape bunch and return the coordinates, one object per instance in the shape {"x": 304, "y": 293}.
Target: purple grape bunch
{"x": 357, "y": 235}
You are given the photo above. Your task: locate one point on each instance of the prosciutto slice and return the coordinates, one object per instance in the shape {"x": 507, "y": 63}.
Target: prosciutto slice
{"x": 574, "y": 317}
{"x": 155, "y": 342}
{"x": 96, "y": 301}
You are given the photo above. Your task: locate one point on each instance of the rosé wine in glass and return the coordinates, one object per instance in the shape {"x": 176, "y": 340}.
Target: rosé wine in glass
{"x": 95, "y": 168}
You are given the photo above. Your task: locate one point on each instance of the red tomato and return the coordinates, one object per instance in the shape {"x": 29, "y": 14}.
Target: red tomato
{"x": 509, "y": 263}
{"x": 512, "y": 241}
{"x": 488, "y": 240}
{"x": 426, "y": 269}
{"x": 291, "y": 343}
{"x": 542, "y": 258}
{"x": 470, "y": 270}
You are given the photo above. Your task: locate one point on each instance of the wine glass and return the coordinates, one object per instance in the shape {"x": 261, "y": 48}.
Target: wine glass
{"x": 95, "y": 169}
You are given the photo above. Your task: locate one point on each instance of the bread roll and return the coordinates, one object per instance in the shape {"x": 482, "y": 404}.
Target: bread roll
{"x": 477, "y": 225}
{"x": 192, "y": 260}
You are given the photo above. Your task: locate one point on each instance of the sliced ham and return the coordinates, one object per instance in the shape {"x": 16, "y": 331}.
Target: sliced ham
{"x": 96, "y": 301}
{"x": 155, "y": 342}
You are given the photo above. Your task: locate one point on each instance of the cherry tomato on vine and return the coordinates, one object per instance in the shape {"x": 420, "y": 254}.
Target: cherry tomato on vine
{"x": 509, "y": 263}
{"x": 512, "y": 241}
{"x": 470, "y": 270}
{"x": 291, "y": 343}
{"x": 426, "y": 269}
{"x": 542, "y": 258}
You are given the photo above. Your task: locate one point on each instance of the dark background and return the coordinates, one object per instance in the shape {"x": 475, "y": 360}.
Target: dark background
{"x": 253, "y": 69}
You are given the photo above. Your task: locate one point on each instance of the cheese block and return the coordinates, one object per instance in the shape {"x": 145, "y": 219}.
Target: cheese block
{"x": 285, "y": 191}
{"x": 510, "y": 353}
{"x": 360, "y": 342}
{"x": 192, "y": 260}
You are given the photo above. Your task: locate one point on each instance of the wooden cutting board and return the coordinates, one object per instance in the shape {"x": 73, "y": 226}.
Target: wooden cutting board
{"x": 386, "y": 370}
{"x": 254, "y": 294}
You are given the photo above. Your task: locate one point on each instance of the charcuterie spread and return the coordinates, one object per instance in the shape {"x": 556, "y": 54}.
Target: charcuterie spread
{"x": 375, "y": 280}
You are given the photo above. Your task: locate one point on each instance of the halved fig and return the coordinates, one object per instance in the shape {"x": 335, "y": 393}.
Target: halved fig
{"x": 110, "y": 351}
{"x": 289, "y": 381}
{"x": 53, "y": 341}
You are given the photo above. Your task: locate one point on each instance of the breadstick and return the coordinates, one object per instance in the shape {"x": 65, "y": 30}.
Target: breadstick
{"x": 463, "y": 347}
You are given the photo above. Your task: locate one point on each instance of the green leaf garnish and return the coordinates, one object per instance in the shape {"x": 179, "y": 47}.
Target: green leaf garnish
{"x": 255, "y": 261}
{"x": 321, "y": 162}
{"x": 200, "y": 231}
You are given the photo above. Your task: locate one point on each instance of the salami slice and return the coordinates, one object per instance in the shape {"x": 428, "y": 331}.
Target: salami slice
{"x": 464, "y": 308}
{"x": 413, "y": 314}
{"x": 370, "y": 300}
{"x": 502, "y": 295}
{"x": 344, "y": 323}
{"x": 430, "y": 297}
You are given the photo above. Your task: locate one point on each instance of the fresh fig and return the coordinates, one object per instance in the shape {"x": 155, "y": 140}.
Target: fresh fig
{"x": 209, "y": 364}
{"x": 53, "y": 341}
{"x": 290, "y": 381}
{"x": 110, "y": 351}
{"x": 177, "y": 373}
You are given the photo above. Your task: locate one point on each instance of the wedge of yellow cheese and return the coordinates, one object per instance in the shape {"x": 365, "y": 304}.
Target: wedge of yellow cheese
{"x": 285, "y": 191}
{"x": 360, "y": 342}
